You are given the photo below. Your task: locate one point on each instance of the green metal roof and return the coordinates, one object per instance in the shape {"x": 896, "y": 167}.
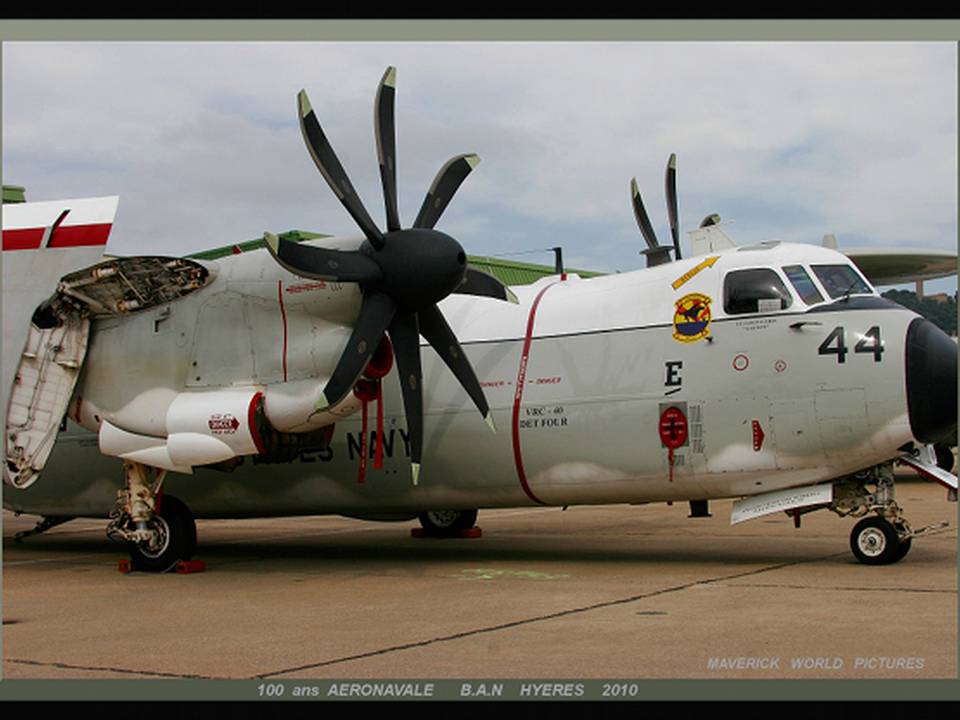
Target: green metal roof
{"x": 509, "y": 272}
{"x": 247, "y": 246}
{"x": 14, "y": 194}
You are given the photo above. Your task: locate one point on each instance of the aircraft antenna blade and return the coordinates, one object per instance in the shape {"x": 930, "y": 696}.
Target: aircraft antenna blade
{"x": 322, "y": 263}
{"x": 478, "y": 282}
{"x": 385, "y": 130}
{"x": 405, "y": 336}
{"x": 670, "y": 181}
{"x": 329, "y": 165}
{"x": 434, "y": 327}
{"x": 445, "y": 184}
{"x": 376, "y": 312}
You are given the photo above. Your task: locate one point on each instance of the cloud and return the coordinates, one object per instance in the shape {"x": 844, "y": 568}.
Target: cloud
{"x": 790, "y": 140}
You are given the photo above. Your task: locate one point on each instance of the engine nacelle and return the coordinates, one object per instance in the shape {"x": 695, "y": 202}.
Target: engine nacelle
{"x": 202, "y": 428}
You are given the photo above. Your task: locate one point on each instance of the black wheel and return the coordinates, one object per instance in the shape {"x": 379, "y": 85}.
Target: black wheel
{"x": 944, "y": 457}
{"x": 904, "y": 546}
{"x": 444, "y": 523}
{"x": 874, "y": 541}
{"x": 177, "y": 538}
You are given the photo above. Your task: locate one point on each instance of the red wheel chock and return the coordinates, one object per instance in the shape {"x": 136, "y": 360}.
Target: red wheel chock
{"x": 470, "y": 533}
{"x": 183, "y": 567}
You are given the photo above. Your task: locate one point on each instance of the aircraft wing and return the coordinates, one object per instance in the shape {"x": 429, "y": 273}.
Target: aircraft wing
{"x": 893, "y": 266}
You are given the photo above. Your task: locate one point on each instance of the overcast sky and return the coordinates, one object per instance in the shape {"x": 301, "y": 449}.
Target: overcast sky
{"x": 788, "y": 140}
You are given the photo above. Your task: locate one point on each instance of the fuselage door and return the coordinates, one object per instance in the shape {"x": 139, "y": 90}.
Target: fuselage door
{"x": 42, "y": 387}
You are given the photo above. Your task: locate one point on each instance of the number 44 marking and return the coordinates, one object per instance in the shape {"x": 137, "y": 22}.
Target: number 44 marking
{"x": 835, "y": 344}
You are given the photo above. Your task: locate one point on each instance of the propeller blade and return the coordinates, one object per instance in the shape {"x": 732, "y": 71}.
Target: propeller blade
{"x": 376, "y": 312}
{"x": 385, "y": 130}
{"x": 478, "y": 282}
{"x": 671, "y": 186}
{"x": 322, "y": 263}
{"x": 444, "y": 186}
{"x": 329, "y": 165}
{"x": 434, "y": 328}
{"x": 640, "y": 213}
{"x": 405, "y": 336}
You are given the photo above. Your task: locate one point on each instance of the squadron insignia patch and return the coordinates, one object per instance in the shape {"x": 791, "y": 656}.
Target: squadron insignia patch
{"x": 691, "y": 318}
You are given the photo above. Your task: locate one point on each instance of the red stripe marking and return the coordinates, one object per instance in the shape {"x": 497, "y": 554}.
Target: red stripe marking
{"x": 252, "y": 422}
{"x": 79, "y": 405}
{"x": 25, "y": 239}
{"x": 518, "y": 396}
{"x": 65, "y": 236}
{"x": 283, "y": 317}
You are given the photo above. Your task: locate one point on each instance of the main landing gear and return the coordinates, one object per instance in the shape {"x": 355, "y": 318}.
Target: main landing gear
{"x": 883, "y": 535}
{"x": 159, "y": 530}
{"x": 447, "y": 523}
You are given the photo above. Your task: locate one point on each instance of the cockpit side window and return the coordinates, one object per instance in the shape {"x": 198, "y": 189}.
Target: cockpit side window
{"x": 754, "y": 290}
{"x": 803, "y": 284}
{"x": 841, "y": 280}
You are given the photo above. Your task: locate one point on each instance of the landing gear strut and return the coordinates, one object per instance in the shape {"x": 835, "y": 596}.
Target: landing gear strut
{"x": 158, "y": 529}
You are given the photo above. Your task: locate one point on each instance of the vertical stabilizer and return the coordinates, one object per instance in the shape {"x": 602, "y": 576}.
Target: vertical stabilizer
{"x": 708, "y": 239}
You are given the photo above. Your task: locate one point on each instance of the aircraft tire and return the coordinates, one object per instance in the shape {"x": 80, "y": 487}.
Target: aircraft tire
{"x": 904, "y": 545}
{"x": 179, "y": 531}
{"x": 446, "y": 523}
{"x": 874, "y": 541}
{"x": 944, "y": 457}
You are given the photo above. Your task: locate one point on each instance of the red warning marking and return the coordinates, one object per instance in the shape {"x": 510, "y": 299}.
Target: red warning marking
{"x": 758, "y": 436}
{"x": 741, "y": 362}
{"x": 673, "y": 428}
{"x": 673, "y": 432}
{"x": 518, "y": 396}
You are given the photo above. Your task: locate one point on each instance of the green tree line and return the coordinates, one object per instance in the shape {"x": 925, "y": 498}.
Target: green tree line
{"x": 941, "y": 314}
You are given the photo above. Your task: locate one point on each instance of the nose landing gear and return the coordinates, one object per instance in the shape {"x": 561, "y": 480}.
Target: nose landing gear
{"x": 883, "y": 535}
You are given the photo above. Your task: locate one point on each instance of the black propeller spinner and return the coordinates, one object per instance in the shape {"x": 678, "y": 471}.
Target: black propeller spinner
{"x": 402, "y": 274}
{"x": 655, "y": 253}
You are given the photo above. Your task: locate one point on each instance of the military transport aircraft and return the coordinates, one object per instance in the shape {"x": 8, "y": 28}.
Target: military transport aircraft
{"x": 156, "y": 389}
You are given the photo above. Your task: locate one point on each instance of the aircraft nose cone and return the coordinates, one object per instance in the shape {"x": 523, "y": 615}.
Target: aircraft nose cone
{"x": 931, "y": 383}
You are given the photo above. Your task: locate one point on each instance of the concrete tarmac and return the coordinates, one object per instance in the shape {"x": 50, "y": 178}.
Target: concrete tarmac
{"x": 590, "y": 592}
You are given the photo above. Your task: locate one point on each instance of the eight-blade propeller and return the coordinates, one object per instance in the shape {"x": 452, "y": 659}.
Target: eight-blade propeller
{"x": 402, "y": 274}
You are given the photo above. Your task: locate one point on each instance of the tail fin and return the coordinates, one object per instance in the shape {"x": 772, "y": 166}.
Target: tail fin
{"x": 42, "y": 242}
{"x": 709, "y": 239}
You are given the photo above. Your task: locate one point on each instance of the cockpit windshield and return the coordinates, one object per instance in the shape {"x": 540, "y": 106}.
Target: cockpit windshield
{"x": 803, "y": 284}
{"x": 841, "y": 280}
